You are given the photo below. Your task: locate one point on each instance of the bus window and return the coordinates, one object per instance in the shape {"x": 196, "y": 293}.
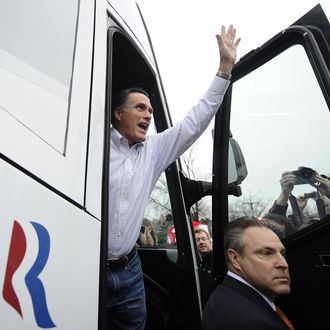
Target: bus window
{"x": 281, "y": 125}
{"x": 159, "y": 215}
{"x": 37, "y": 41}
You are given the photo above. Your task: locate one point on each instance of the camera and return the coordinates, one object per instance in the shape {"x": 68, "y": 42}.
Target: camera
{"x": 310, "y": 195}
{"x": 305, "y": 175}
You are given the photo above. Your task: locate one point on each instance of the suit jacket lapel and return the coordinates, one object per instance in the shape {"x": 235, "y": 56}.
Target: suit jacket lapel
{"x": 248, "y": 292}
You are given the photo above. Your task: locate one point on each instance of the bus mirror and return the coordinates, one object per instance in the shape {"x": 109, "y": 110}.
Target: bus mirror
{"x": 237, "y": 170}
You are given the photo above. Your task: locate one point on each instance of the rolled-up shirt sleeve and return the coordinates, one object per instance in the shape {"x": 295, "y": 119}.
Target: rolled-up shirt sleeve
{"x": 176, "y": 140}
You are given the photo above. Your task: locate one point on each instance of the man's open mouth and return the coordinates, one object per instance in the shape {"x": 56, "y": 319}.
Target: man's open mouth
{"x": 144, "y": 126}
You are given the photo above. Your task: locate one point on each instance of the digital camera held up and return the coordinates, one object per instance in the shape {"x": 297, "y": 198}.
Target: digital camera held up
{"x": 310, "y": 195}
{"x": 305, "y": 175}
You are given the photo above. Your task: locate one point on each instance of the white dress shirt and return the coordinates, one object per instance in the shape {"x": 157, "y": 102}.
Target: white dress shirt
{"x": 238, "y": 278}
{"x": 134, "y": 171}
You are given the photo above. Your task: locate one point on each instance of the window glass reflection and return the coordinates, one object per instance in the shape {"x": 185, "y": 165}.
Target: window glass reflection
{"x": 280, "y": 119}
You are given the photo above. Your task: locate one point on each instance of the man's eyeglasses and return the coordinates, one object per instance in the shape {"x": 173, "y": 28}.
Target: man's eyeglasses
{"x": 203, "y": 239}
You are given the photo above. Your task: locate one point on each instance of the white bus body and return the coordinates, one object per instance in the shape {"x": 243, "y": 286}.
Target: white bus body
{"x": 53, "y": 60}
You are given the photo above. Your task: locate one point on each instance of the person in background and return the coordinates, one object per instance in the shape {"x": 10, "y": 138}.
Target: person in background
{"x": 162, "y": 227}
{"x": 288, "y": 180}
{"x": 280, "y": 224}
{"x": 324, "y": 186}
{"x": 257, "y": 274}
{"x": 147, "y": 237}
{"x": 205, "y": 252}
{"x": 280, "y": 206}
{"x": 136, "y": 163}
{"x": 326, "y": 201}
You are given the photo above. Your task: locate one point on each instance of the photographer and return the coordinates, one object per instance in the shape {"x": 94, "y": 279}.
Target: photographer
{"x": 326, "y": 201}
{"x": 303, "y": 175}
{"x": 287, "y": 181}
{"x": 147, "y": 237}
{"x": 280, "y": 206}
{"x": 324, "y": 184}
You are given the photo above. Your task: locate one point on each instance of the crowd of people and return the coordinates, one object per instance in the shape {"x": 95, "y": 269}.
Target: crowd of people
{"x": 258, "y": 272}
{"x": 255, "y": 257}
{"x": 257, "y": 269}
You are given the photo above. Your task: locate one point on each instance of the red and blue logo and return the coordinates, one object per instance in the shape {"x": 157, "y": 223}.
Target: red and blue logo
{"x": 35, "y": 287}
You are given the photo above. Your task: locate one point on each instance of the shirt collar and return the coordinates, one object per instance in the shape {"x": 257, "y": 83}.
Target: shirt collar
{"x": 115, "y": 135}
{"x": 238, "y": 278}
{"x": 117, "y": 138}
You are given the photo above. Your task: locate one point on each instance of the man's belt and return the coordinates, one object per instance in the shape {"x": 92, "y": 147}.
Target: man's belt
{"x": 121, "y": 261}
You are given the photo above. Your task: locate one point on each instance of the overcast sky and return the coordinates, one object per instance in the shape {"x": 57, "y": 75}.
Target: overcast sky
{"x": 183, "y": 36}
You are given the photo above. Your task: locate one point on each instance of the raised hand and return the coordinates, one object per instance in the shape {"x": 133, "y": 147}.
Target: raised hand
{"x": 227, "y": 43}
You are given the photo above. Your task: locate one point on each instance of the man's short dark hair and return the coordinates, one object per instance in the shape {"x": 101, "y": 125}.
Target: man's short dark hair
{"x": 120, "y": 99}
{"x": 233, "y": 238}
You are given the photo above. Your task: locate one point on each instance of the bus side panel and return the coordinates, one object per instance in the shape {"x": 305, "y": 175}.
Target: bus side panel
{"x": 49, "y": 258}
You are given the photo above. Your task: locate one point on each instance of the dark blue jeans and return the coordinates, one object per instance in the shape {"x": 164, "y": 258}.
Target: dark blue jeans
{"x": 126, "y": 301}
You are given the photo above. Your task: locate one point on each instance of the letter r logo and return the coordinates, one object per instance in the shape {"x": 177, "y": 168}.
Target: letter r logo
{"x": 17, "y": 251}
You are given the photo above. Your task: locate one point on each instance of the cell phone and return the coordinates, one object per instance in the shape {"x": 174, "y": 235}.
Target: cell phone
{"x": 143, "y": 229}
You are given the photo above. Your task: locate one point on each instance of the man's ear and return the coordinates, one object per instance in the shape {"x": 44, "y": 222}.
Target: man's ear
{"x": 234, "y": 259}
{"x": 117, "y": 114}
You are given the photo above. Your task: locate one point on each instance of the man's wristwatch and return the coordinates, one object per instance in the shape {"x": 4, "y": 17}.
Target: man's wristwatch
{"x": 223, "y": 75}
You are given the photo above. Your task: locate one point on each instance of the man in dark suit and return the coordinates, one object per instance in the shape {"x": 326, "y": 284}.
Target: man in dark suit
{"x": 257, "y": 274}
{"x": 205, "y": 267}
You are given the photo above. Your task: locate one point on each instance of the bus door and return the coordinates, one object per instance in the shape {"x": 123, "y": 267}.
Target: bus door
{"x": 169, "y": 267}
{"x": 277, "y": 108}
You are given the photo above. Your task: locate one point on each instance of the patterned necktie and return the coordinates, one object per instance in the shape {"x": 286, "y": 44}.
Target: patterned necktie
{"x": 284, "y": 318}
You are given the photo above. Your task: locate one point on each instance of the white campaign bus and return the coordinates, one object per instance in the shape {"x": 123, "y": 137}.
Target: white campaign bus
{"x": 60, "y": 63}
